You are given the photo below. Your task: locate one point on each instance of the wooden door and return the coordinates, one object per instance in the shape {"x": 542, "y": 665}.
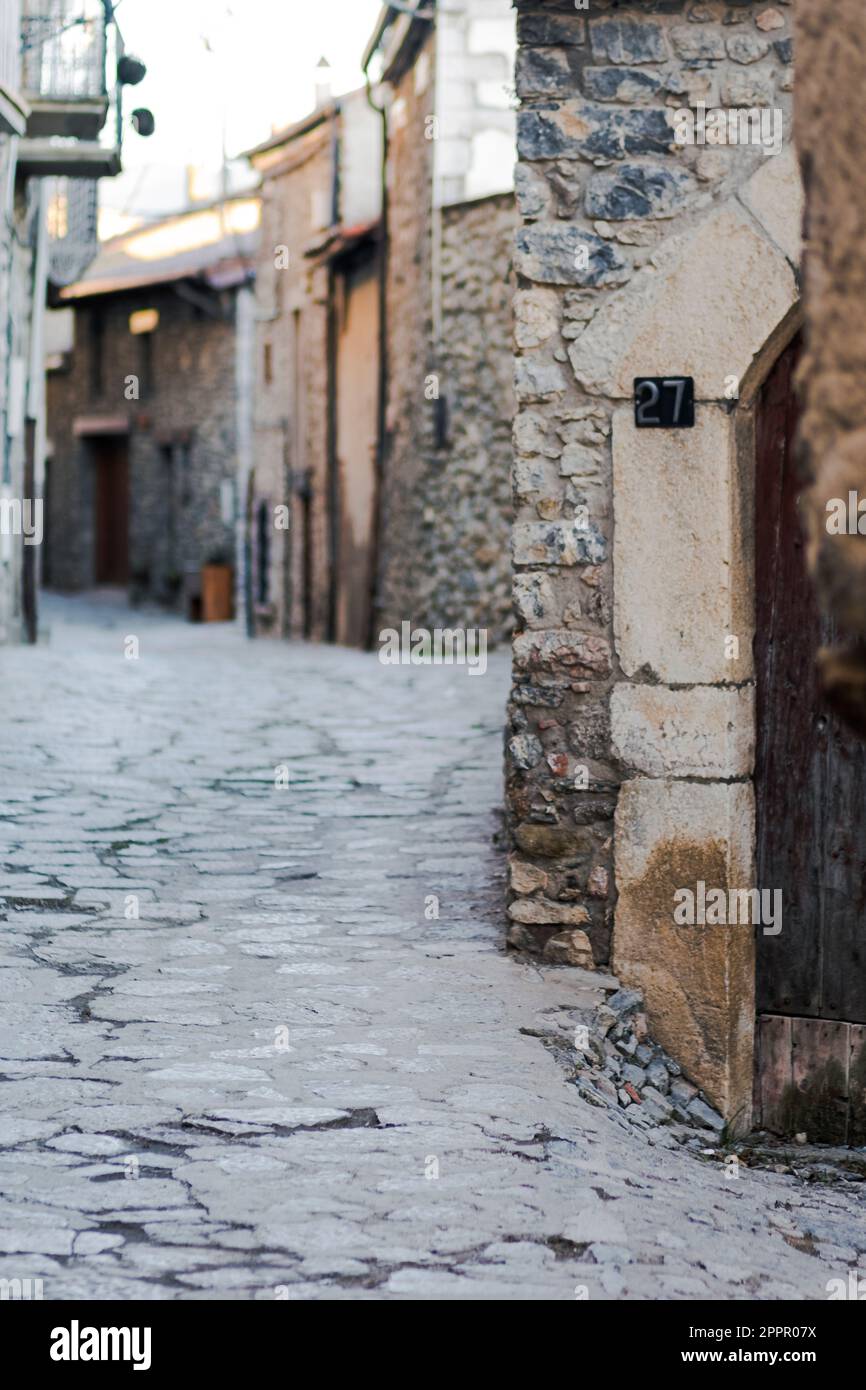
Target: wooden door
{"x": 111, "y": 500}
{"x": 356, "y": 371}
{"x": 810, "y": 783}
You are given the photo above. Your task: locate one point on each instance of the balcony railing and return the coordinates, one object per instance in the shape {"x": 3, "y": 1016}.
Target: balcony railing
{"x": 73, "y": 211}
{"x": 69, "y": 80}
{"x": 64, "y": 48}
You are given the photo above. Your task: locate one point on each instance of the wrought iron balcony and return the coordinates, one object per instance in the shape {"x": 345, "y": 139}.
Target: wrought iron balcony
{"x": 64, "y": 48}
{"x": 73, "y": 239}
{"x": 69, "y": 57}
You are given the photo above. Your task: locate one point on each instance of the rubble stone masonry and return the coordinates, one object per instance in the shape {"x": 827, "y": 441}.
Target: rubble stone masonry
{"x": 446, "y": 504}
{"x": 606, "y": 199}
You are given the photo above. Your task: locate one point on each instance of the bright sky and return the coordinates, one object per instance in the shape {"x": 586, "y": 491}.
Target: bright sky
{"x": 260, "y": 75}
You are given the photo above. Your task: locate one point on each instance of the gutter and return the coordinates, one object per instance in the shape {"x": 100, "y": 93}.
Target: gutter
{"x": 407, "y": 14}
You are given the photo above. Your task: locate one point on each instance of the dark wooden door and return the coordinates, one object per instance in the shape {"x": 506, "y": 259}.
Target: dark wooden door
{"x": 810, "y": 783}
{"x": 111, "y": 521}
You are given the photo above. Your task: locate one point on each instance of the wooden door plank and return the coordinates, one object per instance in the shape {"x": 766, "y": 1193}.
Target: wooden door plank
{"x": 788, "y": 756}
{"x": 857, "y": 1085}
{"x": 810, "y": 774}
{"x": 775, "y": 1071}
{"x": 820, "y": 1052}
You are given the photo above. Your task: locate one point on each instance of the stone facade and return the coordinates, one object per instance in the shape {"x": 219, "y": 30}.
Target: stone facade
{"x": 321, "y": 193}
{"x": 631, "y": 727}
{"x": 446, "y": 504}
{"x": 167, "y": 402}
{"x": 291, "y": 384}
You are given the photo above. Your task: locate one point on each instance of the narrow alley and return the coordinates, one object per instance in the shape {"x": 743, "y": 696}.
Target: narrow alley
{"x": 260, "y": 1038}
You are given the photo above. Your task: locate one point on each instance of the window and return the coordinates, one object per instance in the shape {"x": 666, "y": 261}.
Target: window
{"x": 263, "y": 551}
{"x": 143, "y": 321}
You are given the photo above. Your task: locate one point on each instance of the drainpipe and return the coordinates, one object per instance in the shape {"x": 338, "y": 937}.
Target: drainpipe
{"x": 333, "y": 463}
{"x": 245, "y": 330}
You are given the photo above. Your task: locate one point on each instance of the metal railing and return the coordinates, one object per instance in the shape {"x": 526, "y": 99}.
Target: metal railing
{"x": 73, "y": 242}
{"x": 63, "y": 49}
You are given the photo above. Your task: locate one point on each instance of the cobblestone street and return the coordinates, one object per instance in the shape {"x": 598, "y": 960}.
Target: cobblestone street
{"x": 287, "y": 1076}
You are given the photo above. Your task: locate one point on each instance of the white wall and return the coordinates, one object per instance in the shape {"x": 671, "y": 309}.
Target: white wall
{"x": 361, "y": 165}
{"x": 475, "y": 50}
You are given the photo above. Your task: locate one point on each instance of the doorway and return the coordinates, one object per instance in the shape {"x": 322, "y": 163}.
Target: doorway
{"x": 110, "y": 457}
{"x": 810, "y": 785}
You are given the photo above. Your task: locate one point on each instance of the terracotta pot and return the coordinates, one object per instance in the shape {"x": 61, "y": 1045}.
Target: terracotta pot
{"x": 216, "y": 593}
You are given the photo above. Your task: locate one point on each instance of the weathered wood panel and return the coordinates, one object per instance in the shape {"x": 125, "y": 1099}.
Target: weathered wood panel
{"x": 818, "y": 1104}
{"x": 774, "y": 1072}
{"x": 857, "y": 1085}
{"x": 810, "y": 777}
{"x": 806, "y": 1083}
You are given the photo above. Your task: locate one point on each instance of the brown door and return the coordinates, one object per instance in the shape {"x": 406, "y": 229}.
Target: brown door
{"x": 354, "y": 502}
{"x": 111, "y": 494}
{"x": 810, "y": 783}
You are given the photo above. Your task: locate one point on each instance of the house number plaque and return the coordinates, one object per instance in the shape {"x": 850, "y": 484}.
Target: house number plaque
{"x": 664, "y": 402}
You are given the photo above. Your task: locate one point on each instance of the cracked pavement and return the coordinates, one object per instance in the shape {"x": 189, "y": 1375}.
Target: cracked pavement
{"x": 286, "y": 1076}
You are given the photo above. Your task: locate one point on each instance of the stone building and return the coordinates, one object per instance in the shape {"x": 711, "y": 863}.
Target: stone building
{"x": 149, "y": 410}
{"x": 380, "y": 489}
{"x": 312, "y": 497}
{"x": 444, "y": 83}
{"x": 57, "y": 93}
{"x": 665, "y": 736}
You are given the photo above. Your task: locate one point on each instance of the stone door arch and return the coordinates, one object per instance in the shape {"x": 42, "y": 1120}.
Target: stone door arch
{"x": 810, "y": 789}
{"x": 719, "y": 304}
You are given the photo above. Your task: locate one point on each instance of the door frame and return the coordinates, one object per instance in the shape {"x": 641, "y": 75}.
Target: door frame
{"x": 683, "y": 702}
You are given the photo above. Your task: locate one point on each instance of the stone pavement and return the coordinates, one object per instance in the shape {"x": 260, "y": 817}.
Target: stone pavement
{"x": 287, "y": 1076}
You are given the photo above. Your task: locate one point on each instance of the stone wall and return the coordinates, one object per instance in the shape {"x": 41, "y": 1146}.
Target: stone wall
{"x": 181, "y": 441}
{"x": 468, "y": 489}
{"x": 640, "y": 255}
{"x": 446, "y": 503}
{"x": 291, "y": 390}
{"x": 410, "y": 423}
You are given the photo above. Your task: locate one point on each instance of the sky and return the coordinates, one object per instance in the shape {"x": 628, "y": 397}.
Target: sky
{"x": 250, "y": 65}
